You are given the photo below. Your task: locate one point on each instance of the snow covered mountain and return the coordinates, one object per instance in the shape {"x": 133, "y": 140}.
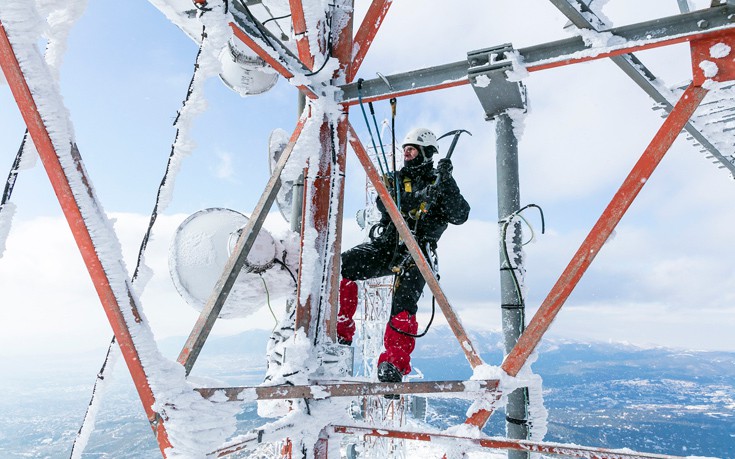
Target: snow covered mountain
{"x": 597, "y": 394}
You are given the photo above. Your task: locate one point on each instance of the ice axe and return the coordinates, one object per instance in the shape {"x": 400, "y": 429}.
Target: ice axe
{"x": 456, "y": 133}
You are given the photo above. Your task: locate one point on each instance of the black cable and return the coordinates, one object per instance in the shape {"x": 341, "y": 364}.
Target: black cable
{"x": 13, "y": 174}
{"x": 329, "y": 47}
{"x": 276, "y": 19}
{"x": 285, "y": 266}
{"x": 97, "y": 381}
{"x": 258, "y": 25}
{"x": 506, "y": 257}
{"x": 426, "y": 330}
{"x": 164, "y": 180}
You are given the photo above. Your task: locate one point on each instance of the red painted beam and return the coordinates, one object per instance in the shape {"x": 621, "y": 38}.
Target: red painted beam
{"x": 324, "y": 191}
{"x": 501, "y": 443}
{"x": 60, "y": 182}
{"x": 454, "y": 323}
{"x": 604, "y": 227}
{"x": 563, "y": 61}
{"x": 318, "y": 193}
{"x": 366, "y": 33}
{"x": 408, "y": 92}
{"x": 586, "y": 55}
{"x": 300, "y": 31}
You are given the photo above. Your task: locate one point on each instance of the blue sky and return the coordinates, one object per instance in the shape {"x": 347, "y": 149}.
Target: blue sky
{"x": 664, "y": 279}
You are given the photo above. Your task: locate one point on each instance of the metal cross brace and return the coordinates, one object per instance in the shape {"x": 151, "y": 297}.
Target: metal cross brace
{"x": 80, "y": 206}
{"x": 643, "y": 77}
{"x": 566, "y": 450}
{"x": 714, "y": 21}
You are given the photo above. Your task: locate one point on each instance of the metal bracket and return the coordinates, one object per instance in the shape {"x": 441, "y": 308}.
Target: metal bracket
{"x": 487, "y": 75}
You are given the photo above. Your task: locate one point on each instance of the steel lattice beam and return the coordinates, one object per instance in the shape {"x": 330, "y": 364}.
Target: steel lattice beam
{"x": 642, "y": 76}
{"x": 237, "y": 259}
{"x": 502, "y": 443}
{"x": 61, "y": 180}
{"x": 349, "y": 389}
{"x": 712, "y": 22}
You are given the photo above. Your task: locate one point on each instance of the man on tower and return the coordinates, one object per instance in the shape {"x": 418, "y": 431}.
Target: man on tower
{"x": 429, "y": 200}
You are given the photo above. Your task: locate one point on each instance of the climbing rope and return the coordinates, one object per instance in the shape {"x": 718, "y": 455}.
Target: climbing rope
{"x": 393, "y": 106}
{"x": 435, "y": 269}
{"x": 89, "y": 414}
{"x": 370, "y": 131}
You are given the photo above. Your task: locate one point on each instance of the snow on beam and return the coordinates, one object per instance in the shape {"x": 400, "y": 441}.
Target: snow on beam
{"x": 300, "y": 32}
{"x": 710, "y": 22}
{"x": 321, "y": 391}
{"x": 642, "y": 76}
{"x": 567, "y": 450}
{"x": 89, "y": 225}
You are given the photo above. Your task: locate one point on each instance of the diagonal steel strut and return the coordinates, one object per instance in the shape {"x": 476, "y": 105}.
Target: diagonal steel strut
{"x": 222, "y": 288}
{"x": 90, "y": 242}
{"x": 366, "y": 33}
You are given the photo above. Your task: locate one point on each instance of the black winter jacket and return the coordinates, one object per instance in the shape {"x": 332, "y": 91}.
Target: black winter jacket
{"x": 449, "y": 206}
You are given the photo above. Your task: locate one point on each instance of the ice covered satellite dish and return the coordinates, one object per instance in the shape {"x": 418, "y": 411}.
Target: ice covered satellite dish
{"x": 198, "y": 254}
{"x": 245, "y": 72}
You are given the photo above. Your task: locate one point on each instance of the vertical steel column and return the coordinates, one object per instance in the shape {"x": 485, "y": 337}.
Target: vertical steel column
{"x": 343, "y": 45}
{"x": 512, "y": 304}
{"x": 324, "y": 191}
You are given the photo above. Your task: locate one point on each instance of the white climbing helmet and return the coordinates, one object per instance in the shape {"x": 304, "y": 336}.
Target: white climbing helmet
{"x": 421, "y": 137}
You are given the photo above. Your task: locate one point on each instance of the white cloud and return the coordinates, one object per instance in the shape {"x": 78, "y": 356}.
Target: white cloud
{"x": 49, "y": 303}
{"x": 224, "y": 168}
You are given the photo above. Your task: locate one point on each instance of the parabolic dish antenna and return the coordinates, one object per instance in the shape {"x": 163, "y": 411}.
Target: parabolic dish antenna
{"x": 198, "y": 254}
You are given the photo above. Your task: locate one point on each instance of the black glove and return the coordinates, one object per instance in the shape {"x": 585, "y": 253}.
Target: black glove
{"x": 444, "y": 168}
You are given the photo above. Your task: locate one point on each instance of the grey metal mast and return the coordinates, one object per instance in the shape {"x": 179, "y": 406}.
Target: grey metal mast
{"x": 497, "y": 96}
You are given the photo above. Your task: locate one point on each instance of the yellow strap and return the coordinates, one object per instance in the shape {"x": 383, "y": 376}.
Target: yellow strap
{"x": 407, "y": 185}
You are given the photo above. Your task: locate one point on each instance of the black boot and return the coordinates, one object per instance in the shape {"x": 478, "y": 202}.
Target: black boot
{"x": 387, "y": 372}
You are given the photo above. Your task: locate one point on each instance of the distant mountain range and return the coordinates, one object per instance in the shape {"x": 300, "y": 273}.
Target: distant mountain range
{"x": 597, "y": 394}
